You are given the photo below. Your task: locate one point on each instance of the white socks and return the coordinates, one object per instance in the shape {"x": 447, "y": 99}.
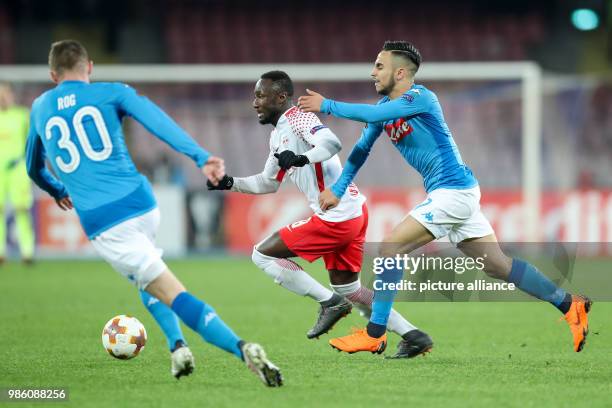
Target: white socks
{"x": 362, "y": 299}
{"x": 291, "y": 276}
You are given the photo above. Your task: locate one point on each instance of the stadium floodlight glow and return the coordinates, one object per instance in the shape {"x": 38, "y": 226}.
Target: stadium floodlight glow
{"x": 529, "y": 73}
{"x": 585, "y": 19}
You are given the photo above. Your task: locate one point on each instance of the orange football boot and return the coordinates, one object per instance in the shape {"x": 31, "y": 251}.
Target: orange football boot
{"x": 578, "y": 321}
{"x": 360, "y": 341}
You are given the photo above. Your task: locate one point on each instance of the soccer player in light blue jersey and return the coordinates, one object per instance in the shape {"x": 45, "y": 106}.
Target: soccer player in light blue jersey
{"x": 77, "y": 125}
{"x": 411, "y": 117}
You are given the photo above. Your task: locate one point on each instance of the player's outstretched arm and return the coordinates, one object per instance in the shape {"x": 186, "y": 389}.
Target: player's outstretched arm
{"x": 409, "y": 104}
{"x": 356, "y": 158}
{"x": 156, "y": 121}
{"x": 37, "y": 171}
{"x": 263, "y": 183}
{"x": 255, "y": 184}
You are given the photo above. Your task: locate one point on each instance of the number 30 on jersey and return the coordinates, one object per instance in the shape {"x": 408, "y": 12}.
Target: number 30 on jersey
{"x": 66, "y": 144}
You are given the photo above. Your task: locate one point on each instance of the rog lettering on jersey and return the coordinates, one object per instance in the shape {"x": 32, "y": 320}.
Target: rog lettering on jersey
{"x": 398, "y": 130}
{"x": 66, "y": 101}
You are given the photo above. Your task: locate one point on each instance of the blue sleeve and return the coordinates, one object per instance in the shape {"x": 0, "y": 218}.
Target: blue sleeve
{"x": 37, "y": 170}
{"x": 161, "y": 125}
{"x": 356, "y": 158}
{"x": 409, "y": 104}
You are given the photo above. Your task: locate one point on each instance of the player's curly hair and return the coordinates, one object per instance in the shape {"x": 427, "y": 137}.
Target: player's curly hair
{"x": 406, "y": 50}
{"x": 281, "y": 82}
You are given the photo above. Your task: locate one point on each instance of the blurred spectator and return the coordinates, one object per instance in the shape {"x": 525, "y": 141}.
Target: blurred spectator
{"x": 15, "y": 186}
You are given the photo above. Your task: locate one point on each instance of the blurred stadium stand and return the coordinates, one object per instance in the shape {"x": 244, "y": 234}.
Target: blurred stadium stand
{"x": 308, "y": 33}
{"x": 7, "y": 41}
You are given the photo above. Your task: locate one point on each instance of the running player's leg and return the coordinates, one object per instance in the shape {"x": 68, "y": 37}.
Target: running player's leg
{"x": 414, "y": 341}
{"x": 407, "y": 236}
{"x": 403, "y": 239}
{"x": 129, "y": 249}
{"x": 166, "y": 319}
{"x": 20, "y": 195}
{"x": 197, "y": 315}
{"x": 203, "y": 319}
{"x": 271, "y": 255}
{"x": 529, "y": 279}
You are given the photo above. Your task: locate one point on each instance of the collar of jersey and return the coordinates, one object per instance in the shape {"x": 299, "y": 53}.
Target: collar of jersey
{"x": 71, "y": 82}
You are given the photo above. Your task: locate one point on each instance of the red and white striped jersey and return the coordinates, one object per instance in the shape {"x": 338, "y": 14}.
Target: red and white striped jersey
{"x": 299, "y": 132}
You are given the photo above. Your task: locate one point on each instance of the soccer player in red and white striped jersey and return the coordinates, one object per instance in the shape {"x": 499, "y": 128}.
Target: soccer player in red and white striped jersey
{"x": 304, "y": 151}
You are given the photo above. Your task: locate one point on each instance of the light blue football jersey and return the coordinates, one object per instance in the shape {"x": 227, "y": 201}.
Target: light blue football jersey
{"x": 77, "y": 127}
{"x": 415, "y": 124}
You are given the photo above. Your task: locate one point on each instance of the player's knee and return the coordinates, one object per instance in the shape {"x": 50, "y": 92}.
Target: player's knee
{"x": 266, "y": 264}
{"x": 338, "y": 277}
{"x": 346, "y": 289}
{"x": 260, "y": 259}
{"x": 389, "y": 247}
{"x": 388, "y": 250}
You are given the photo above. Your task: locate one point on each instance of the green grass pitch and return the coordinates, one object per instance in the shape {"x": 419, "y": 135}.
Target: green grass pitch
{"x": 485, "y": 354}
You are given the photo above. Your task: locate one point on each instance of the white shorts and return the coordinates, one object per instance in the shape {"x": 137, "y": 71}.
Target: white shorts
{"x": 130, "y": 248}
{"x": 455, "y": 213}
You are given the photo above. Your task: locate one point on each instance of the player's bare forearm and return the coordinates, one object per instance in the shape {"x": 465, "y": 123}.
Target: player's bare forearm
{"x": 310, "y": 102}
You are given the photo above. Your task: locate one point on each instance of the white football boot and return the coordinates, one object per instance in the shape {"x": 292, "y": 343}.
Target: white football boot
{"x": 256, "y": 360}
{"x": 183, "y": 362}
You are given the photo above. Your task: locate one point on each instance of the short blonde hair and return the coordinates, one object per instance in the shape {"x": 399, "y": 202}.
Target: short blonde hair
{"x": 66, "y": 55}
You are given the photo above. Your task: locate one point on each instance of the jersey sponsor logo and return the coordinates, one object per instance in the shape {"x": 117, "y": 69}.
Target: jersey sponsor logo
{"x": 317, "y": 128}
{"x": 398, "y": 130}
{"x": 409, "y": 98}
{"x": 353, "y": 190}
